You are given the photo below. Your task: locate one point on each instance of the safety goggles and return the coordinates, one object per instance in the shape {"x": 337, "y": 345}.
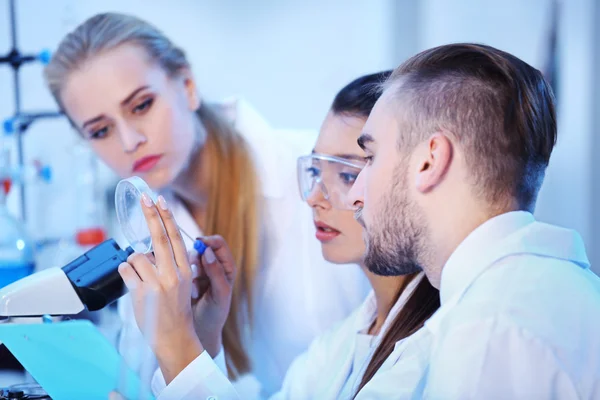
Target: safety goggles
{"x": 329, "y": 176}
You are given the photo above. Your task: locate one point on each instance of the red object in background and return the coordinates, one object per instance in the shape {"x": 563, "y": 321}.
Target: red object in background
{"x": 6, "y": 185}
{"x": 90, "y": 236}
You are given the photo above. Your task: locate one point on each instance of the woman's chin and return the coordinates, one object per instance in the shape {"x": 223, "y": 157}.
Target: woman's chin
{"x": 158, "y": 180}
{"x": 338, "y": 257}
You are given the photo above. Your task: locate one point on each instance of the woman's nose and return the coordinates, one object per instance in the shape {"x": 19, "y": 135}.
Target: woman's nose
{"x": 318, "y": 196}
{"x": 131, "y": 138}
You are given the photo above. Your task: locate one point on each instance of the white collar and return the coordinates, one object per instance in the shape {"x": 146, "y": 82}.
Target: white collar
{"x": 464, "y": 264}
{"x": 505, "y": 235}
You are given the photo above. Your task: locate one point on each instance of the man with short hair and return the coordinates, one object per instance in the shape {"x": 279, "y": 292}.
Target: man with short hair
{"x": 457, "y": 147}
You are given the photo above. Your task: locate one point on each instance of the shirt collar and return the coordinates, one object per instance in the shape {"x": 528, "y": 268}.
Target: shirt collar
{"x": 367, "y": 314}
{"x": 466, "y": 262}
{"x": 505, "y": 235}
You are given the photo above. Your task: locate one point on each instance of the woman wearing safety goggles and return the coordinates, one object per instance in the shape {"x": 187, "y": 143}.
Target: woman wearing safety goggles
{"x": 332, "y": 175}
{"x": 398, "y": 305}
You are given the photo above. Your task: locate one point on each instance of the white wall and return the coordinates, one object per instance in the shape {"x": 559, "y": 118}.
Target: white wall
{"x": 566, "y": 196}
{"x": 520, "y": 27}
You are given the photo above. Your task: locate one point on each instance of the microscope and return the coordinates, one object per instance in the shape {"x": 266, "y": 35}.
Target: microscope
{"x": 91, "y": 282}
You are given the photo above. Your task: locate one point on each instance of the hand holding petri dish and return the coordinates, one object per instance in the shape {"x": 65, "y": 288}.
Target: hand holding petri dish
{"x": 130, "y": 215}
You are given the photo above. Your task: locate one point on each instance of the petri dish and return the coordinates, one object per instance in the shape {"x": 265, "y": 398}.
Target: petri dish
{"x": 128, "y": 197}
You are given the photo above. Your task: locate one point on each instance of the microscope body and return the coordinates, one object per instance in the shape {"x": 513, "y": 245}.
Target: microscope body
{"x": 91, "y": 282}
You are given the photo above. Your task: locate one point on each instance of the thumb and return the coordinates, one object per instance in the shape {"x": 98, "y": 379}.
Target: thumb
{"x": 115, "y": 396}
{"x": 216, "y": 273}
{"x": 195, "y": 293}
{"x": 193, "y": 257}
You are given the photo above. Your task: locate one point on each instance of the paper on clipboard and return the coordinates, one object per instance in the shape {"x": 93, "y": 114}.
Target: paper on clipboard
{"x": 71, "y": 360}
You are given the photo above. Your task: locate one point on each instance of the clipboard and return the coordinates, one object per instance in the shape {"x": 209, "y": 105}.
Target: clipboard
{"x": 72, "y": 360}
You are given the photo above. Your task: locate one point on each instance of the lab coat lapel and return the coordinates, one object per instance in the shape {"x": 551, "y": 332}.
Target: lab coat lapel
{"x": 343, "y": 368}
{"x": 347, "y": 348}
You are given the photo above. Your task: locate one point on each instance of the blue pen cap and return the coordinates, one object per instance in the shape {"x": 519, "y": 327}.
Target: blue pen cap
{"x": 199, "y": 246}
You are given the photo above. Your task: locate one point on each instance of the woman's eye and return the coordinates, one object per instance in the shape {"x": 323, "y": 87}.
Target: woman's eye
{"x": 348, "y": 178}
{"x": 313, "y": 172}
{"x": 143, "y": 106}
{"x": 100, "y": 133}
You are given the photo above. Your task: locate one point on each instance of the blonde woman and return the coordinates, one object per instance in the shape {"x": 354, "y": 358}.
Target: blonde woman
{"x": 130, "y": 91}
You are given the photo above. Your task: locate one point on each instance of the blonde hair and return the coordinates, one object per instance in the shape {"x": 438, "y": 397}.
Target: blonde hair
{"x": 233, "y": 196}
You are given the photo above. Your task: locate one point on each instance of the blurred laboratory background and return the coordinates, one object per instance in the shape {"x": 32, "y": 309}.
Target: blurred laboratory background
{"x": 287, "y": 58}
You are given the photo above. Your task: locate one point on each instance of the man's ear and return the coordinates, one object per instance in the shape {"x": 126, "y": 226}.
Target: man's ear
{"x": 434, "y": 161}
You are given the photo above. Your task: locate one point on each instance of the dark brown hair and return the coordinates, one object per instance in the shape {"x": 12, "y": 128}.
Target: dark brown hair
{"x": 359, "y": 96}
{"x": 421, "y": 305}
{"x": 499, "y": 108}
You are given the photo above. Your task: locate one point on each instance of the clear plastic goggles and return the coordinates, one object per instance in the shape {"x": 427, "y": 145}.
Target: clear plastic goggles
{"x": 332, "y": 176}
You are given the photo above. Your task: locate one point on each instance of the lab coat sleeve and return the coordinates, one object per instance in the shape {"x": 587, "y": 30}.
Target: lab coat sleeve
{"x": 220, "y": 361}
{"x": 158, "y": 380}
{"x": 493, "y": 358}
{"x": 204, "y": 378}
{"x": 201, "y": 379}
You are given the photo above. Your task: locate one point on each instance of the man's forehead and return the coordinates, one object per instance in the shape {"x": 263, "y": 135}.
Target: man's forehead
{"x": 382, "y": 123}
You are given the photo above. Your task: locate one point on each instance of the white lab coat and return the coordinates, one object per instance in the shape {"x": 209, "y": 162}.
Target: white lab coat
{"x": 298, "y": 294}
{"x": 322, "y": 372}
{"x": 520, "y": 317}
{"x": 519, "y": 320}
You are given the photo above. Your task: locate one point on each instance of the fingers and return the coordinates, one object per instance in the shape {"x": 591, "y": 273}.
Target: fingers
{"x": 193, "y": 257}
{"x": 115, "y": 396}
{"x": 215, "y": 271}
{"x": 221, "y": 250}
{"x": 151, "y": 258}
{"x": 144, "y": 268}
{"x": 215, "y": 242}
{"x": 195, "y": 270}
{"x": 200, "y": 281}
{"x": 174, "y": 234}
{"x": 161, "y": 243}
{"x": 201, "y": 285}
{"x": 130, "y": 277}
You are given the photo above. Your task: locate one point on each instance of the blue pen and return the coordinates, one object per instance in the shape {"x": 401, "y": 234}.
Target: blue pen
{"x": 199, "y": 246}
